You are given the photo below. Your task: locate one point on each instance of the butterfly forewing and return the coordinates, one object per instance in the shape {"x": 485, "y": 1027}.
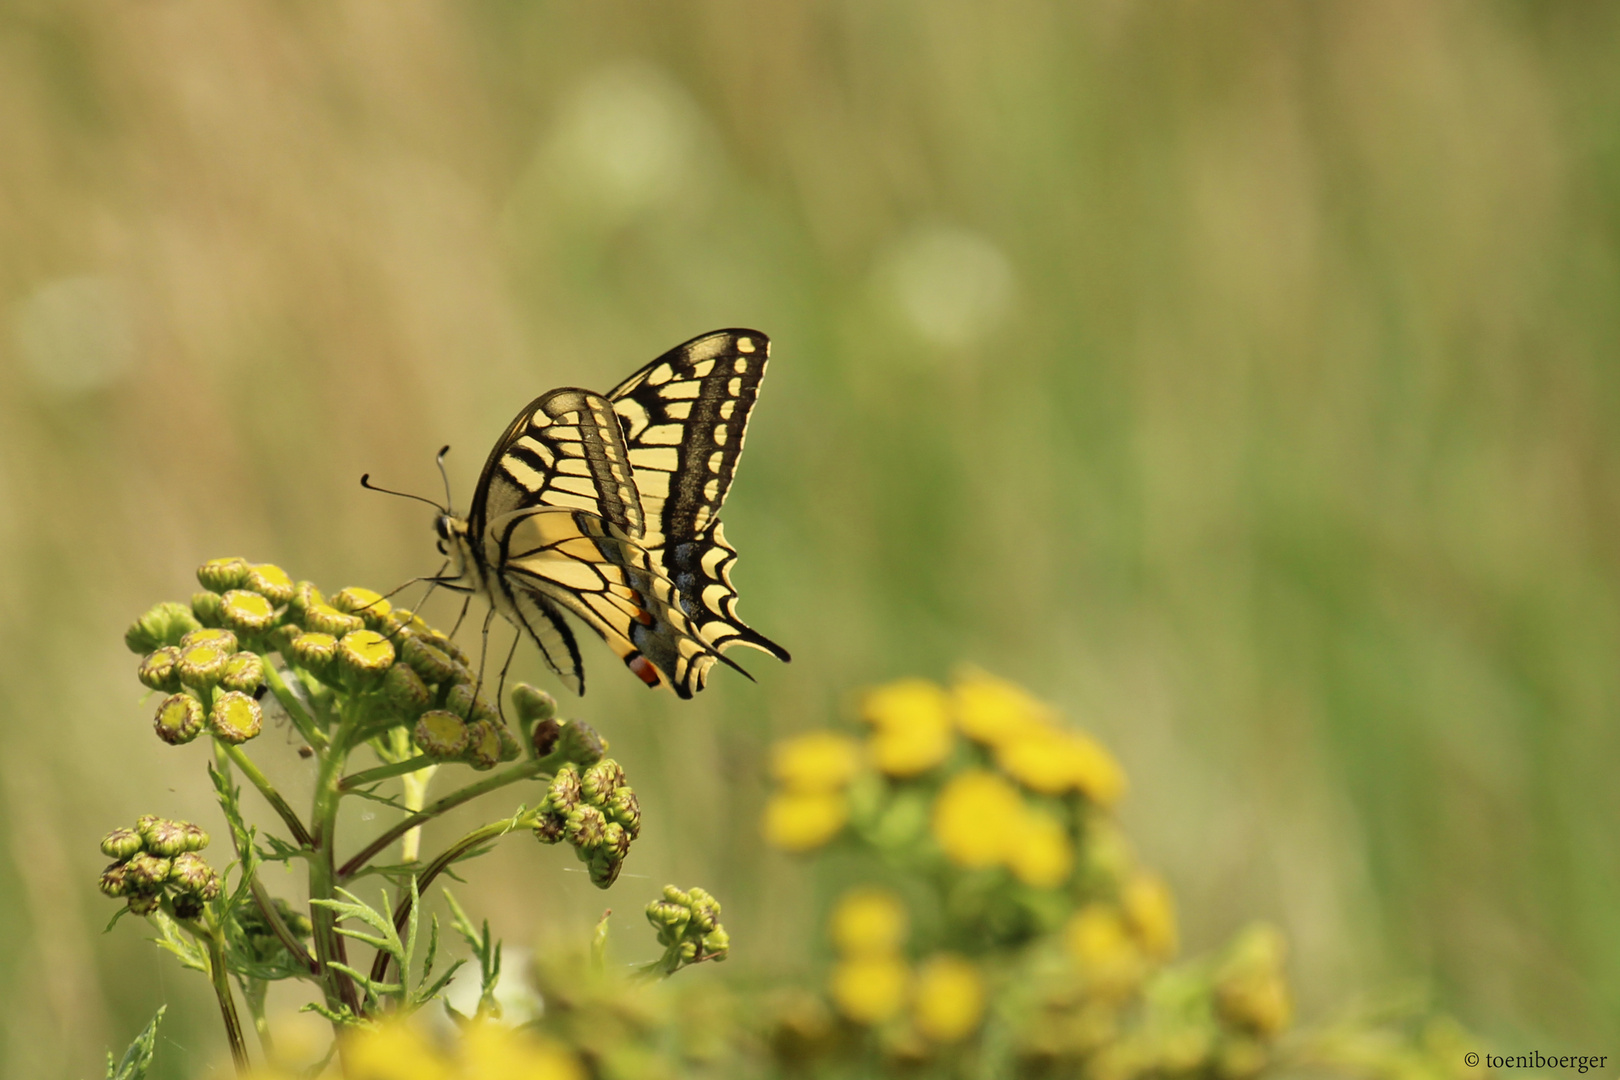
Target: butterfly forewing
{"x": 565, "y": 450}
{"x": 685, "y": 416}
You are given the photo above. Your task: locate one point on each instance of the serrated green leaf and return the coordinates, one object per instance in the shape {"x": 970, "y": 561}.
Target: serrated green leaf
{"x": 138, "y": 1058}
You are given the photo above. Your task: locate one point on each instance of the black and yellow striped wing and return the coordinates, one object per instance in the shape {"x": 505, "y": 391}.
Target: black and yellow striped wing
{"x": 685, "y": 416}
{"x": 553, "y": 559}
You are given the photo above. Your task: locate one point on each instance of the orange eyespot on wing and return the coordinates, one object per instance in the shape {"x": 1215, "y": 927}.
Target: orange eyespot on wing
{"x": 643, "y": 669}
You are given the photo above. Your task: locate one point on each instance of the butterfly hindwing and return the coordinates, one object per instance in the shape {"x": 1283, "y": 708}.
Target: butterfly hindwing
{"x": 685, "y": 416}
{"x": 554, "y": 558}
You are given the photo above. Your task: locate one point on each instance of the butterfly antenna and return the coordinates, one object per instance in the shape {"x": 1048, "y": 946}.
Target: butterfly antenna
{"x": 365, "y": 482}
{"x": 439, "y": 461}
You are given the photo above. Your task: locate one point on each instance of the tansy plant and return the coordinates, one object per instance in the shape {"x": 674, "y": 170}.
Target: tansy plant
{"x": 989, "y": 918}
{"x": 383, "y": 704}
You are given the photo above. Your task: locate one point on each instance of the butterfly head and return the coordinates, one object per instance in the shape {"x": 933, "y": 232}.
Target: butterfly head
{"x": 453, "y": 540}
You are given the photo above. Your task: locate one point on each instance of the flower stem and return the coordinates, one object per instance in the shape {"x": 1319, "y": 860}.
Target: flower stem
{"x": 383, "y": 772}
{"x": 521, "y": 771}
{"x": 493, "y": 831}
{"x": 295, "y": 708}
{"x": 340, "y": 989}
{"x": 227, "y": 1004}
{"x": 288, "y": 816}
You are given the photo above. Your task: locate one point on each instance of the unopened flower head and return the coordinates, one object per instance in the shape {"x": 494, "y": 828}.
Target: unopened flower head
{"x": 625, "y": 808}
{"x": 191, "y": 873}
{"x": 179, "y": 719}
{"x": 244, "y": 673}
{"x": 483, "y": 745}
{"x": 314, "y": 651}
{"x": 586, "y": 827}
{"x": 601, "y": 780}
{"x": 326, "y": 619}
{"x": 368, "y": 605}
{"x": 222, "y": 575}
{"x": 581, "y": 744}
{"x": 157, "y": 669}
{"x": 235, "y": 717}
{"x": 165, "y": 838}
{"x": 271, "y": 582}
{"x": 472, "y": 706}
{"x": 406, "y": 691}
{"x": 533, "y": 704}
{"x": 441, "y": 734}
{"x": 121, "y": 843}
{"x": 433, "y": 664}
{"x": 164, "y": 624}
{"x": 209, "y": 608}
{"x": 564, "y": 793}
{"x": 200, "y": 666}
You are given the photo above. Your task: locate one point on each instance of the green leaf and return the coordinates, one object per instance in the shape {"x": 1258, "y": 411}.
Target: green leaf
{"x": 183, "y": 946}
{"x": 485, "y": 949}
{"x": 138, "y": 1058}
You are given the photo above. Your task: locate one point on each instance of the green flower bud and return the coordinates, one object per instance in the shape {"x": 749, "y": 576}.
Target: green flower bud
{"x": 429, "y": 661}
{"x": 271, "y": 582}
{"x": 543, "y": 739}
{"x": 143, "y": 903}
{"x": 365, "y": 656}
{"x": 247, "y": 613}
{"x": 235, "y": 717}
{"x": 625, "y": 808}
{"x": 296, "y": 921}
{"x": 305, "y": 596}
{"x": 446, "y": 646}
{"x": 163, "y": 625}
{"x": 669, "y": 919}
{"x": 705, "y": 909}
{"x": 563, "y": 794}
{"x": 200, "y": 666}
{"x": 314, "y": 651}
{"x": 120, "y": 843}
{"x": 114, "y": 880}
{"x": 405, "y": 690}
{"x": 533, "y": 704}
{"x": 157, "y": 669}
{"x": 165, "y": 838}
{"x": 483, "y": 745}
{"x": 326, "y": 619}
{"x": 511, "y": 749}
{"x": 615, "y": 839}
{"x": 209, "y": 607}
{"x": 463, "y": 702}
{"x": 580, "y": 743}
{"x": 441, "y": 734}
{"x": 179, "y": 719}
{"x": 604, "y": 867}
{"x": 146, "y": 823}
{"x": 282, "y": 637}
{"x": 191, "y": 873}
{"x": 549, "y": 829}
{"x": 188, "y": 907}
{"x": 196, "y": 837}
{"x": 368, "y": 605}
{"x": 222, "y": 575}
{"x": 716, "y": 944}
{"x": 586, "y": 828}
{"x": 601, "y": 780}
{"x": 147, "y": 872}
{"x": 244, "y": 673}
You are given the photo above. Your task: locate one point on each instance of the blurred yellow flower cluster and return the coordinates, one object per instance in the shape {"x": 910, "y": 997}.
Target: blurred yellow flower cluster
{"x": 871, "y": 984}
{"x": 810, "y": 807}
{"x": 484, "y": 1051}
{"x": 981, "y": 820}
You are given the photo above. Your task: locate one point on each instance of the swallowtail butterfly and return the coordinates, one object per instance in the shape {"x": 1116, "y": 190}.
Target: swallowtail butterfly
{"x": 608, "y": 507}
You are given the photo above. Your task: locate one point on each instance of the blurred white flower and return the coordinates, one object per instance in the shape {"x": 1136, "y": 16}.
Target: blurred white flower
{"x": 74, "y": 334}
{"x": 949, "y": 285}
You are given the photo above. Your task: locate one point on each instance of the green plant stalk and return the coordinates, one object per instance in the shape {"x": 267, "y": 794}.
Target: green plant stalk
{"x": 339, "y": 988}
{"x": 257, "y": 778}
{"x": 384, "y": 772}
{"x": 253, "y": 992}
{"x": 493, "y": 831}
{"x": 220, "y": 978}
{"x": 522, "y": 771}
{"x": 301, "y": 720}
{"x": 416, "y": 785}
{"x": 278, "y": 927}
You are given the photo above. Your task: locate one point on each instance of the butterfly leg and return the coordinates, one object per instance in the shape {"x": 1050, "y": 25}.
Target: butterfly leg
{"x": 462, "y": 616}
{"x": 483, "y": 652}
{"x": 500, "y": 687}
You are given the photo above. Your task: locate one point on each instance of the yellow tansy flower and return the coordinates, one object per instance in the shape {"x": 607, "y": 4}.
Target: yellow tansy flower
{"x": 869, "y": 922}
{"x": 912, "y": 722}
{"x": 991, "y": 710}
{"x": 1150, "y": 911}
{"x": 949, "y": 998}
{"x": 392, "y": 1052}
{"x": 490, "y": 1051}
{"x": 870, "y": 990}
{"x": 815, "y": 761}
{"x": 1054, "y": 762}
{"x": 1100, "y": 944}
{"x": 1040, "y": 854}
{"x": 975, "y": 817}
{"x": 800, "y": 821}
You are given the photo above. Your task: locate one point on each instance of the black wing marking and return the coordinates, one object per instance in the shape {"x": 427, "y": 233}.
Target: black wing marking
{"x": 557, "y": 558}
{"x": 685, "y": 416}
{"x": 546, "y": 627}
{"x": 565, "y": 450}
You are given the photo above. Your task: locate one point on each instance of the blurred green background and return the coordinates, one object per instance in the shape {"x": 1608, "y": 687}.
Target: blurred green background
{"x": 1231, "y": 375}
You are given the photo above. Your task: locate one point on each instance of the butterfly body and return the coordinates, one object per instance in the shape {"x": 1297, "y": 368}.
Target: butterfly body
{"x": 607, "y": 507}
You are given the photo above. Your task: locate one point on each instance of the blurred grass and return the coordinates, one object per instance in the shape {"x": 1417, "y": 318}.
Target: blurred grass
{"x": 1239, "y": 377}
